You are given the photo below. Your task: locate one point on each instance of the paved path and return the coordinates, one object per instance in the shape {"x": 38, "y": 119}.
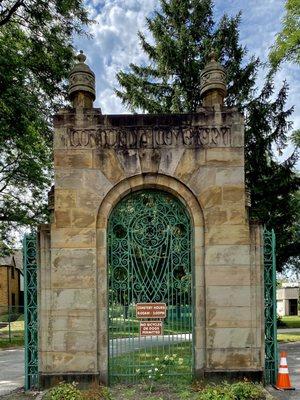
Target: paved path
{"x": 125, "y": 345}
{"x": 293, "y": 359}
{"x": 288, "y": 330}
{"x": 11, "y": 370}
{"x": 12, "y": 364}
{"x": 12, "y": 360}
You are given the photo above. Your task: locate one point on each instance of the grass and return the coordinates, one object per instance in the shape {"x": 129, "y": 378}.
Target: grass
{"x": 14, "y": 342}
{"x": 16, "y": 334}
{"x": 124, "y": 367}
{"x": 288, "y": 337}
{"x": 291, "y": 322}
{"x": 175, "y": 391}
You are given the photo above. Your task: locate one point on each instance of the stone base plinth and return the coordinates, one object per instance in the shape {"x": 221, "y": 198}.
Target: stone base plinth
{"x": 216, "y": 376}
{"x": 83, "y": 379}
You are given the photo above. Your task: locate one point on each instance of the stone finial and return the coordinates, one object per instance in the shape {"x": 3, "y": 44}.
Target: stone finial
{"x": 82, "y": 84}
{"x": 213, "y": 82}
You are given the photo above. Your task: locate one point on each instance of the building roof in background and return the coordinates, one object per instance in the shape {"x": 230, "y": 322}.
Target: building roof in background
{"x": 15, "y": 259}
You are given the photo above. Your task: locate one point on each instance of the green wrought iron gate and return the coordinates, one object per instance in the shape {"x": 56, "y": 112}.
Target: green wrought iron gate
{"x": 271, "y": 352}
{"x": 30, "y": 311}
{"x": 150, "y": 268}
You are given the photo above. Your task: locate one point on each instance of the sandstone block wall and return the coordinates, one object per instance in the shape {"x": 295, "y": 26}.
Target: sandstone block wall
{"x": 98, "y": 160}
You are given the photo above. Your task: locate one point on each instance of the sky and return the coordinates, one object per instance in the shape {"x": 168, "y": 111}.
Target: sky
{"x": 114, "y": 43}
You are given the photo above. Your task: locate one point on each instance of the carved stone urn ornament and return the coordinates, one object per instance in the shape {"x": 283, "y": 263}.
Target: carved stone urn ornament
{"x": 82, "y": 84}
{"x": 213, "y": 83}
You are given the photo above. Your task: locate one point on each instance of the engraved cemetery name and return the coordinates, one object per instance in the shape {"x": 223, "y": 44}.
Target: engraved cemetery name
{"x": 149, "y": 137}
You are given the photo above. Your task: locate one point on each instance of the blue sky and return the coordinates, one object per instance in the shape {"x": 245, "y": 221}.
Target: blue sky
{"x": 114, "y": 43}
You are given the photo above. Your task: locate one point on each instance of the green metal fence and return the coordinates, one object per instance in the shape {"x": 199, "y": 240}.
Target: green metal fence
{"x": 271, "y": 348}
{"x": 30, "y": 304}
{"x": 150, "y": 265}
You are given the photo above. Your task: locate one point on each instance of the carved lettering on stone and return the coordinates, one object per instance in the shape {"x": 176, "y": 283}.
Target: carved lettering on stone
{"x": 149, "y": 137}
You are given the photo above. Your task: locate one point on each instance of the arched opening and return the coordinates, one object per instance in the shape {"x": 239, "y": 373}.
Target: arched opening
{"x": 150, "y": 288}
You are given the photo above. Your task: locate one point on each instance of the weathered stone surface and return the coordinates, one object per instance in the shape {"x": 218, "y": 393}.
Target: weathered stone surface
{"x": 75, "y": 322}
{"x": 211, "y": 197}
{"x": 63, "y": 218}
{"x": 233, "y": 359}
{"x": 169, "y": 159}
{"x": 225, "y": 215}
{"x": 229, "y": 234}
{"x": 80, "y": 341}
{"x": 230, "y": 296}
{"x": 230, "y": 176}
{"x": 234, "y": 194}
{"x": 89, "y": 200}
{"x": 149, "y": 160}
{"x": 229, "y": 317}
{"x": 77, "y": 361}
{"x": 224, "y": 276}
{"x": 190, "y": 161}
{"x": 107, "y": 161}
{"x": 82, "y": 218}
{"x": 73, "y": 277}
{"x": 96, "y": 181}
{"x": 73, "y": 159}
{"x": 202, "y": 179}
{"x": 72, "y": 299}
{"x": 130, "y": 161}
{"x": 73, "y": 238}
{"x": 225, "y": 156}
{"x": 69, "y": 178}
{"x": 225, "y": 338}
{"x": 227, "y": 255}
{"x": 65, "y": 198}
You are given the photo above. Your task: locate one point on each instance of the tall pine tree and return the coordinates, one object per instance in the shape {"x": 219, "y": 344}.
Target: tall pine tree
{"x": 184, "y": 33}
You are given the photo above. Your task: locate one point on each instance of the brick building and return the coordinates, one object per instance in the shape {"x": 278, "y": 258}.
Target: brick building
{"x": 11, "y": 283}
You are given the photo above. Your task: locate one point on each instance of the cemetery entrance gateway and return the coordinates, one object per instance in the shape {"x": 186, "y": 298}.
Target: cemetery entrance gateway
{"x": 150, "y": 266}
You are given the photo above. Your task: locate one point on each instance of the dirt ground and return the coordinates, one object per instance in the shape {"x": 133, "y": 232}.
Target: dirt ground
{"x": 123, "y": 392}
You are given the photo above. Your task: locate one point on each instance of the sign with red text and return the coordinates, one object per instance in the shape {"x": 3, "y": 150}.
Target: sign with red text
{"x": 151, "y": 310}
{"x": 151, "y": 328}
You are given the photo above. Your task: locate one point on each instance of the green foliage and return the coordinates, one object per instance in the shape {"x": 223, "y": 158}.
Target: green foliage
{"x": 64, "y": 391}
{"x": 69, "y": 391}
{"x": 184, "y": 32}
{"x": 273, "y": 185}
{"x": 13, "y": 342}
{"x": 235, "y": 391}
{"x": 97, "y": 393}
{"x": 159, "y": 367}
{"x": 280, "y": 322}
{"x": 36, "y": 55}
{"x": 287, "y": 44}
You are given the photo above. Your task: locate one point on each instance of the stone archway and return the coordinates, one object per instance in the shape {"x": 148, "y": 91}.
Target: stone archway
{"x": 168, "y": 185}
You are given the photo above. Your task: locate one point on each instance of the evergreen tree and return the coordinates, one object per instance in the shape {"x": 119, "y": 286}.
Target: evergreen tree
{"x": 184, "y": 33}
